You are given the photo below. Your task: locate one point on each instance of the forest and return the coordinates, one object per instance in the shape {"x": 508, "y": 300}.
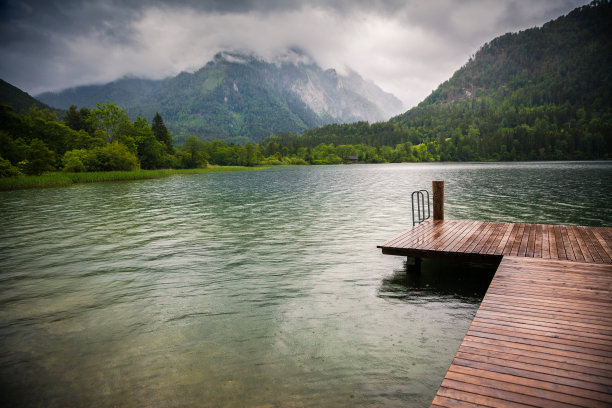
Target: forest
{"x": 541, "y": 94}
{"x": 104, "y": 139}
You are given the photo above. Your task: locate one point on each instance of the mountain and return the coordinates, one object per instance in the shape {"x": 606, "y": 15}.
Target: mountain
{"x": 540, "y": 92}
{"x": 544, "y": 93}
{"x": 19, "y": 100}
{"x": 242, "y": 98}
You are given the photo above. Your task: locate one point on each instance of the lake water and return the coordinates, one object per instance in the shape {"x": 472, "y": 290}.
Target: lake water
{"x": 253, "y": 289}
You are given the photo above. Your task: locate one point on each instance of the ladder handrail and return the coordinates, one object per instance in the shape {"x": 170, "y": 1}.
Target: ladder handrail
{"x": 420, "y": 200}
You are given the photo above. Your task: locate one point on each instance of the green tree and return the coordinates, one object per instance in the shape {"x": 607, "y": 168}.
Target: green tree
{"x": 79, "y": 119}
{"x": 195, "y": 153}
{"x": 161, "y": 133}
{"x": 110, "y": 119}
{"x": 151, "y": 152}
{"x": 7, "y": 169}
{"x": 118, "y": 157}
{"x": 39, "y": 158}
{"x": 74, "y": 160}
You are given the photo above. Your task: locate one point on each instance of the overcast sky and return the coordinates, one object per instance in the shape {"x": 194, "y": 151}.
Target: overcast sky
{"x": 406, "y": 47}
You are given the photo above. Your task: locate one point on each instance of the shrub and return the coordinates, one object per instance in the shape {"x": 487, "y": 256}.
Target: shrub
{"x": 74, "y": 160}
{"x": 7, "y": 169}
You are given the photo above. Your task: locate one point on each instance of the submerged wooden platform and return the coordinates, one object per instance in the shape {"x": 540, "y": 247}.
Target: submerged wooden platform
{"x": 542, "y": 336}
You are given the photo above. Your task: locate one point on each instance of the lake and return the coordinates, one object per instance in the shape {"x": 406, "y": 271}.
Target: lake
{"x": 253, "y": 289}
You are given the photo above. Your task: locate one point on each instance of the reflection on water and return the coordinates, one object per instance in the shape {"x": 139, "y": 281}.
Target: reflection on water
{"x": 254, "y": 289}
{"x": 439, "y": 279}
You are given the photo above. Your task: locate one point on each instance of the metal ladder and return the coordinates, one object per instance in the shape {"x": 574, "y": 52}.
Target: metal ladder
{"x": 420, "y": 197}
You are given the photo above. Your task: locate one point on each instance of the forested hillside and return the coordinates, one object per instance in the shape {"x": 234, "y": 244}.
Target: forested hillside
{"x": 19, "y": 100}
{"x": 540, "y": 94}
{"x": 242, "y": 98}
{"x": 543, "y": 93}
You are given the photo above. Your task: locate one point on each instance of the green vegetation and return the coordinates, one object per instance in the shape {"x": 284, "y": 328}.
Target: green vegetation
{"x": 19, "y": 100}
{"x": 540, "y": 94}
{"x": 239, "y": 98}
{"x": 63, "y": 179}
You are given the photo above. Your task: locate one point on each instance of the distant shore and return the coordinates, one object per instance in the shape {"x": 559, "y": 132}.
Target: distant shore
{"x": 64, "y": 179}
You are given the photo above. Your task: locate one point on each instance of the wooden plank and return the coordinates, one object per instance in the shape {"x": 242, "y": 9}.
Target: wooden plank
{"x": 465, "y": 228}
{"x": 538, "y": 241}
{"x": 567, "y": 245}
{"x": 482, "y": 238}
{"x": 480, "y": 400}
{"x": 466, "y": 237}
{"x": 583, "y": 232}
{"x": 474, "y": 236}
{"x": 524, "y": 241}
{"x": 517, "y": 240}
{"x": 418, "y": 235}
{"x": 575, "y": 245}
{"x": 600, "y": 383}
{"x": 590, "y": 244}
{"x": 531, "y": 241}
{"x": 540, "y": 382}
{"x": 571, "y": 336}
{"x": 540, "y": 393}
{"x": 558, "y": 239}
{"x": 441, "y": 236}
{"x": 498, "y": 392}
{"x": 416, "y": 230}
{"x": 582, "y": 245}
{"x": 552, "y": 246}
{"x": 603, "y": 248}
{"x": 444, "y": 402}
{"x": 510, "y": 241}
{"x": 551, "y": 325}
{"x": 596, "y": 391}
{"x": 541, "y": 352}
{"x": 578, "y": 324}
{"x": 543, "y": 278}
{"x": 449, "y": 237}
{"x": 542, "y": 336}
{"x": 502, "y": 244}
{"x": 543, "y": 333}
{"x": 493, "y": 239}
{"x": 587, "y": 344}
{"x": 569, "y": 365}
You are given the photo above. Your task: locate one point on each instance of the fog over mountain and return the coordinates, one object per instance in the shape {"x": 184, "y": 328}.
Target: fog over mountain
{"x": 242, "y": 97}
{"x": 407, "y": 47}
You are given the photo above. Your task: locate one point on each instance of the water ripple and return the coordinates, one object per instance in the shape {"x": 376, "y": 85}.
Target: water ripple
{"x": 252, "y": 289}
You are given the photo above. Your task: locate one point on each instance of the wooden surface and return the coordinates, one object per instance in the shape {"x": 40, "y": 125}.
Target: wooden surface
{"x": 542, "y": 336}
{"x": 437, "y": 188}
{"x": 490, "y": 241}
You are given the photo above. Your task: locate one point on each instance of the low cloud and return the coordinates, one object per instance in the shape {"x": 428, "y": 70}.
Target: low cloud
{"x": 406, "y": 47}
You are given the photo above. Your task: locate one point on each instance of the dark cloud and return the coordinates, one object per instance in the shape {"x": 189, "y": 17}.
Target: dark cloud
{"x": 407, "y": 47}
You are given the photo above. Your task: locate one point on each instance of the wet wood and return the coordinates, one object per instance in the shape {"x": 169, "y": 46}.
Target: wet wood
{"x": 542, "y": 336}
{"x": 488, "y": 241}
{"x": 438, "y": 200}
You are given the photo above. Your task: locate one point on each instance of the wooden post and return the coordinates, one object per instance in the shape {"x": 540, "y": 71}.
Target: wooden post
{"x": 438, "y": 200}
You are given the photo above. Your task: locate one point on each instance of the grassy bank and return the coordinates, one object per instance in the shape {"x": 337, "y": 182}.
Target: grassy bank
{"x": 59, "y": 179}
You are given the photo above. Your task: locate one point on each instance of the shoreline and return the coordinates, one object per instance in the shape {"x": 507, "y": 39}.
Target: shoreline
{"x": 62, "y": 179}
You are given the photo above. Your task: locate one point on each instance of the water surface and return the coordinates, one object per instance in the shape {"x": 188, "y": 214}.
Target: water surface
{"x": 256, "y": 289}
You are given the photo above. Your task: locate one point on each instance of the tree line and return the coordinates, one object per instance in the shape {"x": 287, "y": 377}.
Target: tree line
{"x": 105, "y": 139}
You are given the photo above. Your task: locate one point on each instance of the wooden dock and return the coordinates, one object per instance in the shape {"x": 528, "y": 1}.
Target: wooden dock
{"x": 490, "y": 241}
{"x": 542, "y": 336}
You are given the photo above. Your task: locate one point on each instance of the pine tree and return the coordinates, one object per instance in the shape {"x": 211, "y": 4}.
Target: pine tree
{"x": 161, "y": 133}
